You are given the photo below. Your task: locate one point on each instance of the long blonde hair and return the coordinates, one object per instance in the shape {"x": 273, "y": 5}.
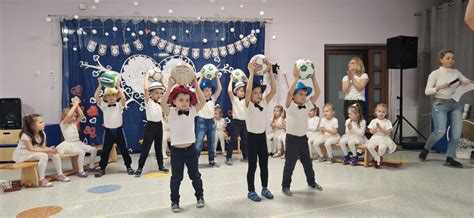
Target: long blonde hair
{"x": 360, "y": 64}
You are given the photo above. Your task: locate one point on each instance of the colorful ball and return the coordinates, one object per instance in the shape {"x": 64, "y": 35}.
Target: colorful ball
{"x": 306, "y": 68}
{"x": 108, "y": 78}
{"x": 155, "y": 74}
{"x": 183, "y": 74}
{"x": 209, "y": 71}
{"x": 259, "y": 58}
{"x": 239, "y": 75}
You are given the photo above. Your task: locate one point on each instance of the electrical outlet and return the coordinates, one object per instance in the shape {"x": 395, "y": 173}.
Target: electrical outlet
{"x": 83, "y": 6}
{"x": 51, "y": 73}
{"x": 36, "y": 73}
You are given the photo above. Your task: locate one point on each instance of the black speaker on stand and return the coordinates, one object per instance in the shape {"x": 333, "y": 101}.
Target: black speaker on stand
{"x": 402, "y": 53}
{"x": 10, "y": 113}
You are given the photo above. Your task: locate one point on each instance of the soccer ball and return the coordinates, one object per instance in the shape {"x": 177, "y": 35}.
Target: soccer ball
{"x": 183, "y": 74}
{"x": 306, "y": 68}
{"x": 259, "y": 62}
{"x": 108, "y": 78}
{"x": 209, "y": 71}
{"x": 239, "y": 75}
{"x": 155, "y": 75}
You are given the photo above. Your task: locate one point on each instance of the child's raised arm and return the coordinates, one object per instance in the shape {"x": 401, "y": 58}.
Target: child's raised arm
{"x": 248, "y": 91}
{"x": 289, "y": 96}
{"x": 146, "y": 93}
{"x": 219, "y": 88}
{"x": 97, "y": 93}
{"x": 121, "y": 93}
{"x": 166, "y": 96}
{"x": 200, "y": 96}
{"x": 316, "y": 90}
{"x": 229, "y": 89}
{"x": 272, "y": 92}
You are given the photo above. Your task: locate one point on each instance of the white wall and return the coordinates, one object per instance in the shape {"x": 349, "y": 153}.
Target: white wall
{"x": 302, "y": 28}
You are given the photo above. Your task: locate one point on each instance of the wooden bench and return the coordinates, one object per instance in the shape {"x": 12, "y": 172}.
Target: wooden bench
{"x": 29, "y": 170}
{"x": 113, "y": 152}
{"x": 367, "y": 162}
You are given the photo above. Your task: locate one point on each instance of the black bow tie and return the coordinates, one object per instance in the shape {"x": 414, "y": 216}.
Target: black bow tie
{"x": 112, "y": 105}
{"x": 181, "y": 112}
{"x": 240, "y": 99}
{"x": 301, "y": 107}
{"x": 258, "y": 106}
{"x": 209, "y": 99}
{"x": 158, "y": 102}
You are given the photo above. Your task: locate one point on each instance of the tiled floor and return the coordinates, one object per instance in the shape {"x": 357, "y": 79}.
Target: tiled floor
{"x": 416, "y": 189}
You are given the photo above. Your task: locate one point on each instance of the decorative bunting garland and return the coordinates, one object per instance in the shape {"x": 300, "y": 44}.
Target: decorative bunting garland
{"x": 172, "y": 48}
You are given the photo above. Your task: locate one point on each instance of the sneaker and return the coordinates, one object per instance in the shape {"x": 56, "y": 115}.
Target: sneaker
{"x": 138, "y": 173}
{"x": 316, "y": 187}
{"x": 453, "y": 163}
{"x": 423, "y": 155}
{"x": 376, "y": 164}
{"x": 93, "y": 170}
{"x": 63, "y": 178}
{"x": 287, "y": 191}
{"x": 130, "y": 171}
{"x": 254, "y": 197}
{"x": 354, "y": 161}
{"x": 99, "y": 173}
{"x": 82, "y": 175}
{"x": 345, "y": 160}
{"x": 175, "y": 208}
{"x": 321, "y": 159}
{"x": 228, "y": 161}
{"x": 45, "y": 183}
{"x": 212, "y": 163}
{"x": 267, "y": 194}
{"x": 330, "y": 161}
{"x": 200, "y": 203}
{"x": 163, "y": 170}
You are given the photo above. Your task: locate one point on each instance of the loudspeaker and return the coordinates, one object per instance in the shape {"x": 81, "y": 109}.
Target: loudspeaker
{"x": 402, "y": 52}
{"x": 10, "y": 113}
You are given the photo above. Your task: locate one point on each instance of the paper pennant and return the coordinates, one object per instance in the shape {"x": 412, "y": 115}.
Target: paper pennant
{"x": 154, "y": 40}
{"x": 126, "y": 49}
{"x": 215, "y": 52}
{"x": 252, "y": 38}
{"x": 91, "y": 46}
{"x": 196, "y": 52}
{"x": 169, "y": 47}
{"x": 246, "y": 42}
{"x": 231, "y": 49}
{"x": 114, "y": 50}
{"x": 102, "y": 49}
{"x": 238, "y": 46}
{"x": 138, "y": 44}
{"x": 185, "y": 51}
{"x": 206, "y": 53}
{"x": 223, "y": 51}
{"x": 177, "y": 49}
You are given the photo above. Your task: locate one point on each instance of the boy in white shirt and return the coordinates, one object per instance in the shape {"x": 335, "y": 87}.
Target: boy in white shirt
{"x": 239, "y": 115}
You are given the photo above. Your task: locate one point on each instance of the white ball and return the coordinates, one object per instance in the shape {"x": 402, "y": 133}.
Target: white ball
{"x": 114, "y": 29}
{"x": 155, "y": 20}
{"x": 153, "y": 33}
{"x": 252, "y": 31}
{"x": 232, "y": 29}
{"x": 76, "y": 16}
{"x": 128, "y": 29}
{"x": 74, "y": 49}
{"x": 84, "y": 33}
{"x": 217, "y": 30}
{"x": 306, "y": 68}
{"x": 259, "y": 61}
{"x": 79, "y": 32}
{"x": 241, "y": 36}
{"x": 106, "y": 33}
{"x": 48, "y": 19}
{"x": 183, "y": 73}
{"x": 209, "y": 71}
{"x": 222, "y": 39}
{"x": 94, "y": 31}
{"x": 162, "y": 29}
{"x": 140, "y": 32}
{"x": 65, "y": 39}
{"x": 155, "y": 74}
{"x": 173, "y": 37}
{"x": 257, "y": 30}
{"x": 262, "y": 13}
{"x": 239, "y": 75}
{"x": 133, "y": 34}
{"x": 186, "y": 31}
{"x": 204, "y": 40}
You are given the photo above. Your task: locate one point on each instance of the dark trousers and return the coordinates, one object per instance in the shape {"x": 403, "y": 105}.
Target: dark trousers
{"x": 297, "y": 147}
{"x": 114, "y": 136}
{"x": 257, "y": 147}
{"x": 153, "y": 133}
{"x": 239, "y": 128}
{"x": 179, "y": 158}
{"x": 348, "y": 103}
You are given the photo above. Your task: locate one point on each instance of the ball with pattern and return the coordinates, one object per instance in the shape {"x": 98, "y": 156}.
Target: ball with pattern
{"x": 155, "y": 75}
{"x": 239, "y": 75}
{"x": 259, "y": 61}
{"x": 209, "y": 71}
{"x": 306, "y": 68}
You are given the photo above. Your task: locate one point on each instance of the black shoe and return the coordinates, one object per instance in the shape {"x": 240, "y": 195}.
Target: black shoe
{"x": 200, "y": 203}
{"x": 138, "y": 173}
{"x": 453, "y": 163}
{"x": 175, "y": 208}
{"x": 99, "y": 173}
{"x": 423, "y": 155}
{"x": 316, "y": 187}
{"x": 130, "y": 171}
{"x": 287, "y": 191}
{"x": 163, "y": 169}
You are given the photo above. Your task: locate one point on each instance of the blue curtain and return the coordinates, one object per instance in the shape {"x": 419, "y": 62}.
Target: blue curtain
{"x": 83, "y": 61}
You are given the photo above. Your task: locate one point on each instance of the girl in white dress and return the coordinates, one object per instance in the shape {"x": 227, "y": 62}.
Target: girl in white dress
{"x": 313, "y": 128}
{"x": 276, "y": 139}
{"x": 355, "y": 134}
{"x": 329, "y": 136}
{"x": 72, "y": 144}
{"x": 381, "y": 128}
{"x": 221, "y": 126}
